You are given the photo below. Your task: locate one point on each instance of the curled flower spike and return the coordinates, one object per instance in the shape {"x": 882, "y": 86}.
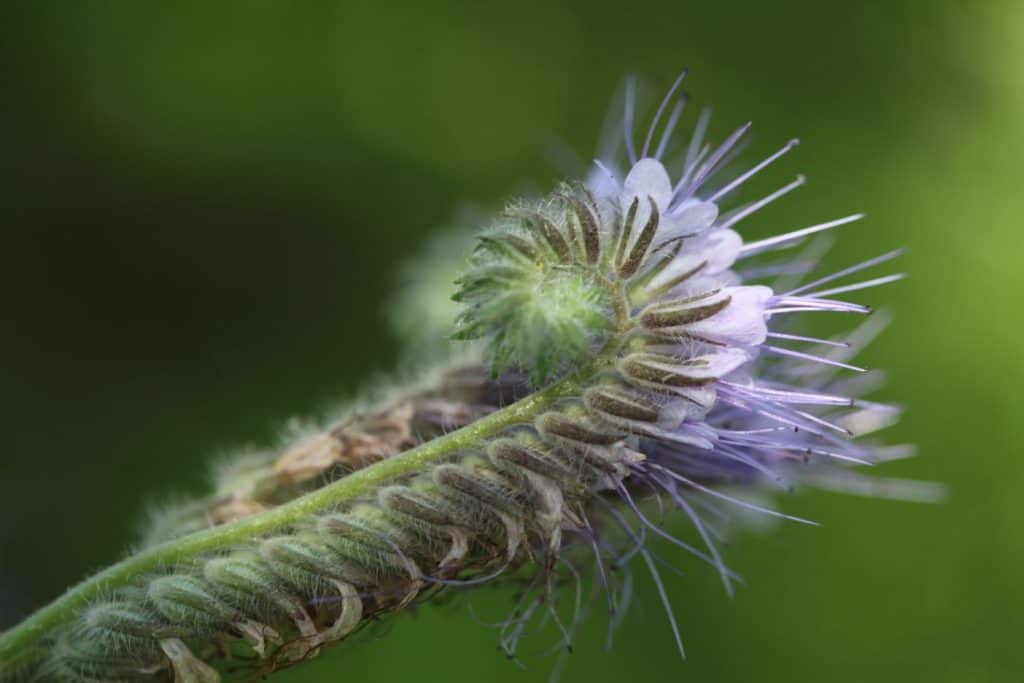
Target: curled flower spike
{"x": 664, "y": 372}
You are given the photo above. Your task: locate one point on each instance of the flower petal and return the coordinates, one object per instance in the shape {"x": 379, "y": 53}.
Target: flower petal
{"x": 741, "y": 322}
{"x": 647, "y": 178}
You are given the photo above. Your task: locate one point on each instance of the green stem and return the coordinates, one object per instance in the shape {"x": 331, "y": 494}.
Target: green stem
{"x": 18, "y": 642}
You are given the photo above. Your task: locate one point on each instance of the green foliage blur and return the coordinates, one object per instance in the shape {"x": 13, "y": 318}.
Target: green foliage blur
{"x": 206, "y": 205}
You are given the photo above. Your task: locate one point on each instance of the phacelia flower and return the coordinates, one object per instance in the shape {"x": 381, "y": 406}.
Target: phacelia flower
{"x": 665, "y": 362}
{"x": 698, "y": 370}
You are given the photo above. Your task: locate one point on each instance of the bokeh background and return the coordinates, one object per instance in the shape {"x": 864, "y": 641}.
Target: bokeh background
{"x": 205, "y": 204}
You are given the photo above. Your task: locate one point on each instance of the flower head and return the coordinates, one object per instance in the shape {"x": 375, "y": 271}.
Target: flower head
{"x": 697, "y": 368}
{"x": 664, "y": 359}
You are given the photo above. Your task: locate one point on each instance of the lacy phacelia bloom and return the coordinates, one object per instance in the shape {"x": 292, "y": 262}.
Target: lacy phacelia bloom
{"x": 664, "y": 366}
{"x": 693, "y": 363}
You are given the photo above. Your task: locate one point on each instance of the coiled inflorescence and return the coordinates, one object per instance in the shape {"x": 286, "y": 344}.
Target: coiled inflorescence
{"x": 658, "y": 366}
{"x": 280, "y": 599}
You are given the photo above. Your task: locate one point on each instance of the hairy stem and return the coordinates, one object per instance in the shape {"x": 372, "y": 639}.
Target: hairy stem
{"x": 18, "y": 642}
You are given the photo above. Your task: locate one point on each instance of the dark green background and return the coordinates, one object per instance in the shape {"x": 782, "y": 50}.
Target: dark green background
{"x": 204, "y": 205}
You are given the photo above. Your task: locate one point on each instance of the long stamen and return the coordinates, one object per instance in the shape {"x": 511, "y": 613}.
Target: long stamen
{"x": 693, "y": 168}
{"x": 809, "y": 303}
{"x": 864, "y": 265}
{"x": 784, "y": 396}
{"x": 735, "y": 501}
{"x": 661, "y": 108}
{"x": 753, "y": 171}
{"x": 697, "y": 141}
{"x": 660, "y": 585}
{"x": 761, "y": 245}
{"x": 859, "y": 285}
{"x": 670, "y": 126}
{"x": 607, "y": 171}
{"x": 658, "y": 531}
{"x": 810, "y": 357}
{"x": 698, "y": 524}
{"x": 627, "y": 119}
{"x": 682, "y": 192}
{"x": 814, "y": 340}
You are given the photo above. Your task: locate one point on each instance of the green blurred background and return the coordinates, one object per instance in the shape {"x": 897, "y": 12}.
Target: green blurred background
{"x": 205, "y": 205}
